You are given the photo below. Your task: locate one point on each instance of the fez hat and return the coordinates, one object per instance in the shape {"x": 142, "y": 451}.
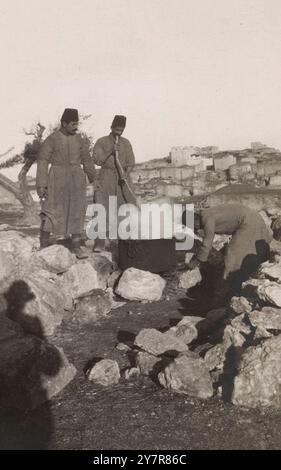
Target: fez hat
{"x": 119, "y": 121}
{"x": 70, "y": 115}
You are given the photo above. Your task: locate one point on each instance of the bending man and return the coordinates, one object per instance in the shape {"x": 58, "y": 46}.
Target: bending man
{"x": 248, "y": 248}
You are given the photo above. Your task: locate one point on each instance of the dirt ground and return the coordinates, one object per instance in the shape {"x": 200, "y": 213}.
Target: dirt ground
{"x": 136, "y": 414}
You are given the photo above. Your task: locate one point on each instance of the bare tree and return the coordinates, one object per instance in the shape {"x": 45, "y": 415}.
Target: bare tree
{"x": 28, "y": 157}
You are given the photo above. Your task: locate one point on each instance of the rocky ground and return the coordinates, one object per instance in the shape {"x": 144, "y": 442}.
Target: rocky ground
{"x": 171, "y": 380}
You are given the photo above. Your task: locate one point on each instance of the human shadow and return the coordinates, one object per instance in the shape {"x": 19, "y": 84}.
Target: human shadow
{"x": 27, "y": 364}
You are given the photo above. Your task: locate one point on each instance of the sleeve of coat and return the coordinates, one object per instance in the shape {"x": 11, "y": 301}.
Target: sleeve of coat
{"x": 130, "y": 159}
{"x": 99, "y": 154}
{"x": 43, "y": 161}
{"x": 87, "y": 161}
{"x": 208, "y": 226}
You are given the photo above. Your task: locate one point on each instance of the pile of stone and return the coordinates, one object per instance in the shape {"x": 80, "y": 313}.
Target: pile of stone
{"x": 243, "y": 366}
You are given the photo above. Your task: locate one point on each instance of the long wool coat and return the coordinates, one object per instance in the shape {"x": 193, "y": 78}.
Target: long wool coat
{"x": 63, "y": 212}
{"x": 250, "y": 236}
{"x": 107, "y": 183}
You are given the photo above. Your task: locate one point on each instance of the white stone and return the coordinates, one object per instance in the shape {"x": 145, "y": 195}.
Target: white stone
{"x": 55, "y": 258}
{"x": 136, "y": 284}
{"x": 157, "y": 343}
{"x": 258, "y": 381}
{"x": 187, "y": 375}
{"x": 190, "y": 278}
{"x": 268, "y": 318}
{"x": 186, "y": 329}
{"x": 105, "y": 372}
{"x": 82, "y": 279}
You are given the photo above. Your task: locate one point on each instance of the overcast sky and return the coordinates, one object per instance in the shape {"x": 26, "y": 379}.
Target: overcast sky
{"x": 184, "y": 72}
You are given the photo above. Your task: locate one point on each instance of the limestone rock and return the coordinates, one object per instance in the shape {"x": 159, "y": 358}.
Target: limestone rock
{"x": 36, "y": 303}
{"x": 92, "y": 308}
{"x": 123, "y": 347}
{"x": 157, "y": 343}
{"x": 82, "y": 279}
{"x": 261, "y": 333}
{"x": 187, "y": 375}
{"x": 264, "y": 289}
{"x": 103, "y": 266}
{"x": 186, "y": 329}
{"x": 105, "y": 372}
{"x": 146, "y": 362}
{"x": 258, "y": 381}
{"x": 190, "y": 279}
{"x": 32, "y": 371}
{"x": 215, "y": 357}
{"x": 240, "y": 305}
{"x": 271, "y": 271}
{"x": 132, "y": 373}
{"x": 136, "y": 284}
{"x": 188, "y": 257}
{"x": 55, "y": 258}
{"x": 268, "y": 318}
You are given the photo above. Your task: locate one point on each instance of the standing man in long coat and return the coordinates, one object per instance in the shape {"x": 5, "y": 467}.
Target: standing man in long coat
{"x": 62, "y": 188}
{"x": 109, "y": 182}
{"x": 247, "y": 249}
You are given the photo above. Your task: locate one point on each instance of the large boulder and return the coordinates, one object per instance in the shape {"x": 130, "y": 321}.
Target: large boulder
{"x": 136, "y": 284}
{"x": 189, "y": 375}
{"x": 81, "y": 279}
{"x": 36, "y": 303}
{"x": 32, "y": 371}
{"x": 257, "y": 383}
{"x": 190, "y": 279}
{"x": 55, "y": 258}
{"x": 15, "y": 254}
{"x": 156, "y": 343}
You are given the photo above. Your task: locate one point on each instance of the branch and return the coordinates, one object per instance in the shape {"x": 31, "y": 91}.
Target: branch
{"x": 6, "y": 153}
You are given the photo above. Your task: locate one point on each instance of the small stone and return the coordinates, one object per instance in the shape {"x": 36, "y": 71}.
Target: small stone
{"x": 190, "y": 278}
{"x": 122, "y": 347}
{"x": 157, "y": 343}
{"x": 105, "y": 372}
{"x": 132, "y": 373}
{"x": 240, "y": 305}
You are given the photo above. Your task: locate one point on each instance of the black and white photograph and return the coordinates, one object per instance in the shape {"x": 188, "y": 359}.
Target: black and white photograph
{"x": 140, "y": 229}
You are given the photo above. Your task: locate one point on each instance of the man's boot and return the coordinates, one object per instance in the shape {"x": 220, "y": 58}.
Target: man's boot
{"x": 76, "y": 247}
{"x": 44, "y": 239}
